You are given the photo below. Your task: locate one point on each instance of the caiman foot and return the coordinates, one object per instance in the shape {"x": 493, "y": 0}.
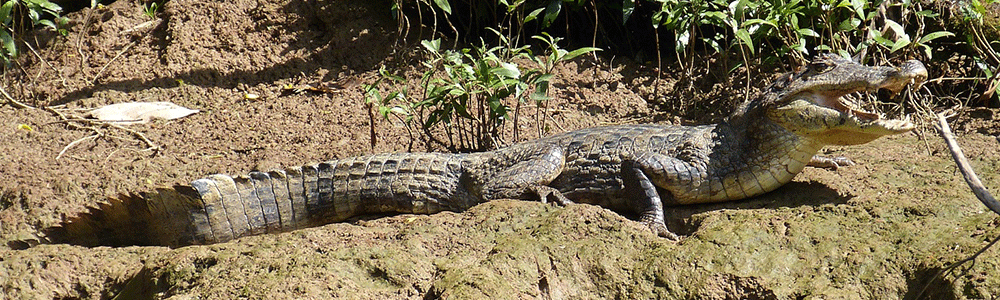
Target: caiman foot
{"x": 832, "y": 163}
{"x": 659, "y": 228}
{"x": 548, "y": 194}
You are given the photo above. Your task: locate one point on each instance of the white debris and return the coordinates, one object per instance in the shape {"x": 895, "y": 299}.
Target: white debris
{"x": 139, "y": 112}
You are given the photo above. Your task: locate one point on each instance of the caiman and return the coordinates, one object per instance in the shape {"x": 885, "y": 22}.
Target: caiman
{"x": 635, "y": 169}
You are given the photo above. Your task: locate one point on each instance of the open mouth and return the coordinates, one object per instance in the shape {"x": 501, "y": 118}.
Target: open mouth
{"x": 849, "y": 101}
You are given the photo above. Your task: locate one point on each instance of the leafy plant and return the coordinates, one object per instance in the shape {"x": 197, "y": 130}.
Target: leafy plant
{"x": 39, "y": 12}
{"x": 470, "y": 93}
{"x": 844, "y": 26}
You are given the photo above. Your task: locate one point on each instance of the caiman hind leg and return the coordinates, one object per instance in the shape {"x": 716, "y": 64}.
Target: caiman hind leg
{"x": 527, "y": 178}
{"x": 642, "y": 174}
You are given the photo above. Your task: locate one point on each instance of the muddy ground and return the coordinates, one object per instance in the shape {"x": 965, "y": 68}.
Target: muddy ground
{"x": 878, "y": 230}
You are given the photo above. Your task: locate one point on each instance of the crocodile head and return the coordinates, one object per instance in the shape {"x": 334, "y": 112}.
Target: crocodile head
{"x": 817, "y": 101}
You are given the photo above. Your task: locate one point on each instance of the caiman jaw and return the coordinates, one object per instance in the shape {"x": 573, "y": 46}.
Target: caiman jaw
{"x": 822, "y": 110}
{"x": 911, "y": 72}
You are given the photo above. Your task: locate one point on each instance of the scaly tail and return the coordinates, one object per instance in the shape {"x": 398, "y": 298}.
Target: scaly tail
{"x": 220, "y": 208}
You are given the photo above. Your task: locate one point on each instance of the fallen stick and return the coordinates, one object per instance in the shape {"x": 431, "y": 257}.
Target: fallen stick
{"x": 12, "y": 101}
{"x": 977, "y": 188}
{"x": 963, "y": 165}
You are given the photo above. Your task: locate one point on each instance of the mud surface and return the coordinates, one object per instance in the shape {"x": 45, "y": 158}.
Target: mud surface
{"x": 878, "y": 230}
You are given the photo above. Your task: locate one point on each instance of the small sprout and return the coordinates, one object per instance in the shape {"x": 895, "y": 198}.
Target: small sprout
{"x": 251, "y": 96}
{"x": 25, "y": 127}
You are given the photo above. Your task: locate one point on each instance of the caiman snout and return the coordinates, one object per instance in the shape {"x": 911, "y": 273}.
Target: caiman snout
{"x": 910, "y": 72}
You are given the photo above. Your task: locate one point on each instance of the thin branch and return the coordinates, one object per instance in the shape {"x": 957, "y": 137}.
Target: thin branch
{"x": 89, "y": 137}
{"x": 977, "y": 188}
{"x": 46, "y": 62}
{"x": 75, "y": 120}
{"x": 952, "y": 266}
{"x": 140, "y": 135}
{"x": 10, "y": 99}
{"x": 939, "y": 79}
{"x": 129, "y": 46}
{"x": 963, "y": 165}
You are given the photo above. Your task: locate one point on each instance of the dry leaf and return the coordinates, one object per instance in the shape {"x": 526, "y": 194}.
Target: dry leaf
{"x": 139, "y": 112}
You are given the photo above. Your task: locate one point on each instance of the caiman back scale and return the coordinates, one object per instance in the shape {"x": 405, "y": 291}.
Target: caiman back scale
{"x": 627, "y": 168}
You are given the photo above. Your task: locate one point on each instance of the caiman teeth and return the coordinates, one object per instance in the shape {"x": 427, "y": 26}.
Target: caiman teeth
{"x": 849, "y": 104}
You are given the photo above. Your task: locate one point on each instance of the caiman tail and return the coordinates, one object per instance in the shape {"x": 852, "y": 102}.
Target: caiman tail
{"x": 221, "y": 208}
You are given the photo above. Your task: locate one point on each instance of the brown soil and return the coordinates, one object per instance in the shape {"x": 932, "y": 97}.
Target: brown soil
{"x": 877, "y": 230}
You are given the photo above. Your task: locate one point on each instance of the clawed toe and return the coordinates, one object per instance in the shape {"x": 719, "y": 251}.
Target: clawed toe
{"x": 832, "y": 163}
{"x": 662, "y": 231}
{"x": 659, "y": 228}
{"x": 550, "y": 195}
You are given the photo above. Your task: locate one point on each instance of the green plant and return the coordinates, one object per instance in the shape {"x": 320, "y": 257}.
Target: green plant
{"x": 986, "y": 57}
{"x": 38, "y": 12}
{"x": 470, "y": 93}
{"x": 806, "y": 26}
{"x": 151, "y": 8}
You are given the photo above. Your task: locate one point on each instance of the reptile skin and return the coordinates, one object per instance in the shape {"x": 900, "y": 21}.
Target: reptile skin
{"x": 627, "y": 168}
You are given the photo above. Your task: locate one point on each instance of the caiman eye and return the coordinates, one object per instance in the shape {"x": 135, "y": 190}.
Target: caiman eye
{"x": 820, "y": 65}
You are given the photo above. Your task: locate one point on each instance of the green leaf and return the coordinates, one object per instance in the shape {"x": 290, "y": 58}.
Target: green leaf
{"x": 543, "y": 78}
{"x": 934, "y": 35}
{"x": 578, "y": 52}
{"x": 896, "y": 28}
{"x": 444, "y": 5}
{"x": 683, "y": 38}
{"x": 927, "y": 14}
{"x": 8, "y": 44}
{"x": 533, "y": 15}
{"x": 48, "y": 23}
{"x": 927, "y": 50}
{"x": 33, "y": 15}
{"x": 849, "y": 24}
{"x": 628, "y": 6}
{"x": 883, "y": 41}
{"x": 507, "y": 70}
{"x": 541, "y": 92}
{"x": 551, "y": 12}
{"x": 808, "y": 32}
{"x": 48, "y": 6}
{"x": 744, "y": 38}
{"x": 398, "y": 110}
{"x": 984, "y": 67}
{"x": 859, "y": 7}
{"x": 5, "y": 9}
{"x": 432, "y": 46}
{"x": 750, "y": 22}
{"x": 900, "y": 43}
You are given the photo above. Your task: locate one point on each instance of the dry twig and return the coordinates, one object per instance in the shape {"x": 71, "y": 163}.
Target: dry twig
{"x": 974, "y": 183}
{"x": 12, "y": 101}
{"x": 76, "y": 122}
{"x": 89, "y": 137}
{"x": 963, "y": 165}
{"x": 113, "y": 59}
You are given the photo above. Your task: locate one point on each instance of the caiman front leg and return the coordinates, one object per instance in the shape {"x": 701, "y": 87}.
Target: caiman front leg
{"x": 529, "y": 176}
